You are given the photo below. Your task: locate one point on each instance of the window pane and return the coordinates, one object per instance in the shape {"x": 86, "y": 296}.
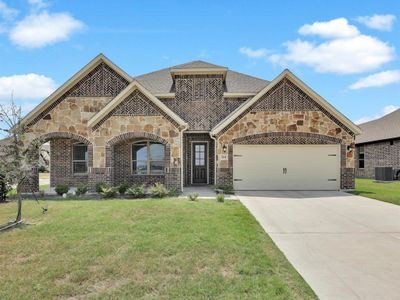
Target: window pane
{"x": 361, "y": 156}
{"x": 157, "y": 167}
{"x": 79, "y": 167}
{"x": 361, "y": 164}
{"x": 157, "y": 151}
{"x": 139, "y": 167}
{"x": 80, "y": 152}
{"x": 139, "y": 152}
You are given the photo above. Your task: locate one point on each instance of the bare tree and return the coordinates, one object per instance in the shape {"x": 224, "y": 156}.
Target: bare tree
{"x": 20, "y": 157}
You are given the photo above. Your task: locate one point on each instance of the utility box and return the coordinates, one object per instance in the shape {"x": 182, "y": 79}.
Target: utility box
{"x": 384, "y": 173}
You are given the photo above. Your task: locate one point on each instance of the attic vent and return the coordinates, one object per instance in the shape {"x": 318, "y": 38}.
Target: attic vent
{"x": 47, "y": 117}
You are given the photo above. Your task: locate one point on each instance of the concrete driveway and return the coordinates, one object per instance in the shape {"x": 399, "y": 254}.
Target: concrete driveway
{"x": 344, "y": 246}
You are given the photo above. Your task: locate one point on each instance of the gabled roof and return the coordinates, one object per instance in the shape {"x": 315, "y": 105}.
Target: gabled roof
{"x": 286, "y": 74}
{"x": 161, "y": 81}
{"x": 101, "y": 58}
{"x": 134, "y": 85}
{"x": 387, "y": 127}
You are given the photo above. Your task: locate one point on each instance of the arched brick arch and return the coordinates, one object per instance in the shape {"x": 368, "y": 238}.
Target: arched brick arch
{"x": 127, "y": 138}
{"x": 57, "y": 177}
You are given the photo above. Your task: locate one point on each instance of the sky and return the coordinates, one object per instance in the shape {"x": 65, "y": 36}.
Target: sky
{"x": 347, "y": 51}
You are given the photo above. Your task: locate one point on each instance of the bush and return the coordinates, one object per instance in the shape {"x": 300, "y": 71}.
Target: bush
{"x": 42, "y": 169}
{"x": 122, "y": 188}
{"x": 99, "y": 186}
{"x": 173, "y": 192}
{"x": 226, "y": 189}
{"x": 193, "y": 197}
{"x": 159, "y": 191}
{"x": 137, "y": 191}
{"x": 220, "y": 197}
{"x": 61, "y": 189}
{"x": 108, "y": 191}
{"x": 4, "y": 189}
{"x": 81, "y": 189}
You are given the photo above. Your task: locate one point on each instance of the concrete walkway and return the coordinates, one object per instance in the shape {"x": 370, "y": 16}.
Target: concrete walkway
{"x": 344, "y": 246}
{"x": 204, "y": 192}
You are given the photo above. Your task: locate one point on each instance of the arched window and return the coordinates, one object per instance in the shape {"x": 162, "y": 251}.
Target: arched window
{"x": 148, "y": 158}
{"x": 80, "y": 158}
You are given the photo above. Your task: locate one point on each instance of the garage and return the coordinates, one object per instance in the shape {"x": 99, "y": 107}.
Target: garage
{"x": 286, "y": 167}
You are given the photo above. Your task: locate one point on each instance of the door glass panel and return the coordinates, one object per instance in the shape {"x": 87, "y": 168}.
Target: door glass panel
{"x": 199, "y": 155}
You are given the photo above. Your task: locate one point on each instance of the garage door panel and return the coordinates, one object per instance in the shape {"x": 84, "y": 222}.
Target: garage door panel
{"x": 286, "y": 167}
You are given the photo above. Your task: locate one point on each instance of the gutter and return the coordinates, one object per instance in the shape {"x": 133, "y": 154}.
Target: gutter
{"x": 212, "y": 136}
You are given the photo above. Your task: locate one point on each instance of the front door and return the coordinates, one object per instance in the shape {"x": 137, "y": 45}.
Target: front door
{"x": 199, "y": 171}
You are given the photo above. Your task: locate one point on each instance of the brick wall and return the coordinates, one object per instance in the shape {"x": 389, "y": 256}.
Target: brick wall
{"x": 379, "y": 154}
{"x": 199, "y": 100}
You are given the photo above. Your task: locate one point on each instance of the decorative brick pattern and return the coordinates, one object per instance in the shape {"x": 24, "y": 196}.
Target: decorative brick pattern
{"x": 378, "y": 154}
{"x": 188, "y": 138}
{"x": 136, "y": 104}
{"x": 286, "y": 96}
{"x": 199, "y": 101}
{"x": 102, "y": 81}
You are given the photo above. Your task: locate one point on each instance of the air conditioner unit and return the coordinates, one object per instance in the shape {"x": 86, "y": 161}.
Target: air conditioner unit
{"x": 384, "y": 173}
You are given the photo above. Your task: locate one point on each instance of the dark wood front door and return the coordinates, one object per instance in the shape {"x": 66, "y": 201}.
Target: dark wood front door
{"x": 199, "y": 172}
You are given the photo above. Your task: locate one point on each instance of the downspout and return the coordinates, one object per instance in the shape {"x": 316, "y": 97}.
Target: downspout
{"x": 184, "y": 128}
{"x": 215, "y": 156}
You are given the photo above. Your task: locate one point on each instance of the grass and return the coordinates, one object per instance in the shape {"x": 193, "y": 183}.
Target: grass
{"x": 384, "y": 191}
{"x": 119, "y": 249}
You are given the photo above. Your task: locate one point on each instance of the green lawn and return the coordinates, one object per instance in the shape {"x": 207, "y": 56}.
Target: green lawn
{"x": 384, "y": 191}
{"x": 168, "y": 249}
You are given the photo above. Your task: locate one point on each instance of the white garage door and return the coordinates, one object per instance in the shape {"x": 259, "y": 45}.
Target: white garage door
{"x": 286, "y": 167}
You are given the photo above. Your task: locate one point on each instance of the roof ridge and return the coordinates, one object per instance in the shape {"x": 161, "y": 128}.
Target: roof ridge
{"x": 383, "y": 117}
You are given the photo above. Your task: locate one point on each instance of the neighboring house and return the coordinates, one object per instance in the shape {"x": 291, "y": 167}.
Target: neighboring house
{"x": 378, "y": 145}
{"x": 195, "y": 123}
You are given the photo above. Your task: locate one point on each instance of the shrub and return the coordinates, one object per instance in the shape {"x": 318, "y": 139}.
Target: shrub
{"x": 4, "y": 189}
{"x": 42, "y": 169}
{"x": 173, "y": 192}
{"x": 108, "y": 191}
{"x": 226, "y": 189}
{"x": 99, "y": 186}
{"x": 137, "y": 191}
{"x": 193, "y": 197}
{"x": 61, "y": 189}
{"x": 81, "y": 189}
{"x": 122, "y": 188}
{"x": 221, "y": 197}
{"x": 159, "y": 190}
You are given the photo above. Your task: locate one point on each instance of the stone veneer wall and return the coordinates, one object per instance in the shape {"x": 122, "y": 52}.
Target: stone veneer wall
{"x": 188, "y": 138}
{"x": 199, "y": 100}
{"x": 378, "y": 154}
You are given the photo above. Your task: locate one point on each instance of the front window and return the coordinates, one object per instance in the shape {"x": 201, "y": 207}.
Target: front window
{"x": 361, "y": 157}
{"x": 80, "y": 158}
{"x": 148, "y": 158}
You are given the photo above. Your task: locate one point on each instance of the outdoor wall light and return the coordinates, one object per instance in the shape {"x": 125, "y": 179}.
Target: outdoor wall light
{"x": 350, "y": 148}
{"x": 224, "y": 148}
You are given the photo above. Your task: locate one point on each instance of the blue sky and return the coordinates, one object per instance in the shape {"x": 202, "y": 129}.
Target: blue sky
{"x": 345, "y": 50}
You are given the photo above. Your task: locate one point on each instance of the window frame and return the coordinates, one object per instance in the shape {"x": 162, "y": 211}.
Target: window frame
{"x": 148, "y": 160}
{"x": 361, "y": 159}
{"x": 86, "y": 160}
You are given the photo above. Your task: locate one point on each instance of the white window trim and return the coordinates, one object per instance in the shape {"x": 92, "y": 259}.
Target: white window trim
{"x": 148, "y": 158}
{"x": 78, "y": 160}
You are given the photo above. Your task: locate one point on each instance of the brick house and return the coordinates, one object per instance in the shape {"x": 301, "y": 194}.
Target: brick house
{"x": 195, "y": 123}
{"x": 378, "y": 145}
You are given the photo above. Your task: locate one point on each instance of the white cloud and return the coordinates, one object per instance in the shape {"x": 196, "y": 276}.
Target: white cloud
{"x": 377, "y": 80}
{"x": 380, "y": 22}
{"x": 39, "y": 30}
{"x": 386, "y": 110}
{"x": 38, "y": 4}
{"x": 25, "y": 87}
{"x": 337, "y": 28}
{"x": 257, "y": 53}
{"x": 6, "y": 12}
{"x": 347, "y": 54}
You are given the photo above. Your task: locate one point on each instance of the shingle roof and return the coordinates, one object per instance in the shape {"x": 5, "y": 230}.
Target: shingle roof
{"x": 160, "y": 81}
{"x": 387, "y": 127}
